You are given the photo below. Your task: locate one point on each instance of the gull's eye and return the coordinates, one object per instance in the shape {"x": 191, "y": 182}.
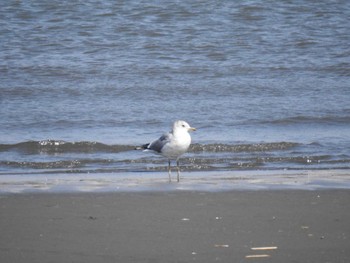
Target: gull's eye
{"x": 183, "y": 125}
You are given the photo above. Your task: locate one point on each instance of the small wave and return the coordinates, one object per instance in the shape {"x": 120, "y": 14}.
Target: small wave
{"x": 311, "y": 119}
{"x": 57, "y": 146}
{"x": 44, "y": 165}
{"x": 258, "y": 147}
{"x": 202, "y": 163}
{"x": 201, "y": 157}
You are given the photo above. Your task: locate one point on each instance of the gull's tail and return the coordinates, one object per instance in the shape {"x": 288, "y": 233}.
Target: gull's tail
{"x": 142, "y": 147}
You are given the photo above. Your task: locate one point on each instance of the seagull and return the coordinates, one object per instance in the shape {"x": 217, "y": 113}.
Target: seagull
{"x": 172, "y": 144}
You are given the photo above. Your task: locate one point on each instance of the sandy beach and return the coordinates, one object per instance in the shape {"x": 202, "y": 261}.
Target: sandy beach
{"x": 176, "y": 226}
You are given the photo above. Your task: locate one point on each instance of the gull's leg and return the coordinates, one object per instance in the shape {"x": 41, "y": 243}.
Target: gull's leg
{"x": 178, "y": 170}
{"x": 169, "y": 170}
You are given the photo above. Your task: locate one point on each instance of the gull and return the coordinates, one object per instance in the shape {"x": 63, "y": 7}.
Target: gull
{"x": 172, "y": 144}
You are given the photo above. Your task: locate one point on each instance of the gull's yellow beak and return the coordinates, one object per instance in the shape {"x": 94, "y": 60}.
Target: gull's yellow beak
{"x": 192, "y": 129}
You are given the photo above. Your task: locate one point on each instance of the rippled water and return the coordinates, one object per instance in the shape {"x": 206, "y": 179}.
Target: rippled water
{"x": 82, "y": 83}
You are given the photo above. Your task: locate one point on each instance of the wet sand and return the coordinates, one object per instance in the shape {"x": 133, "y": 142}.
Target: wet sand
{"x": 176, "y": 226}
{"x": 210, "y": 181}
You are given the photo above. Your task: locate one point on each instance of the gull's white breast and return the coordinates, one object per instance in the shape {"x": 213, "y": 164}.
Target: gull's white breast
{"x": 177, "y": 146}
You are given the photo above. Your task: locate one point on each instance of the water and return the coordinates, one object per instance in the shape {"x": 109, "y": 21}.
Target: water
{"x": 267, "y": 84}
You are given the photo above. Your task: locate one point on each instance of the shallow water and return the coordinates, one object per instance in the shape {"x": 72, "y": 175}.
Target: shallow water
{"x": 267, "y": 84}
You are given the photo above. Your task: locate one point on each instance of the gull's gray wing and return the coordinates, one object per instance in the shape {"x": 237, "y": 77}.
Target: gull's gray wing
{"x": 158, "y": 145}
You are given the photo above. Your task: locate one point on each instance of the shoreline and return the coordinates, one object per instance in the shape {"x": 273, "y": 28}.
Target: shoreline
{"x": 179, "y": 226}
{"x": 212, "y": 181}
